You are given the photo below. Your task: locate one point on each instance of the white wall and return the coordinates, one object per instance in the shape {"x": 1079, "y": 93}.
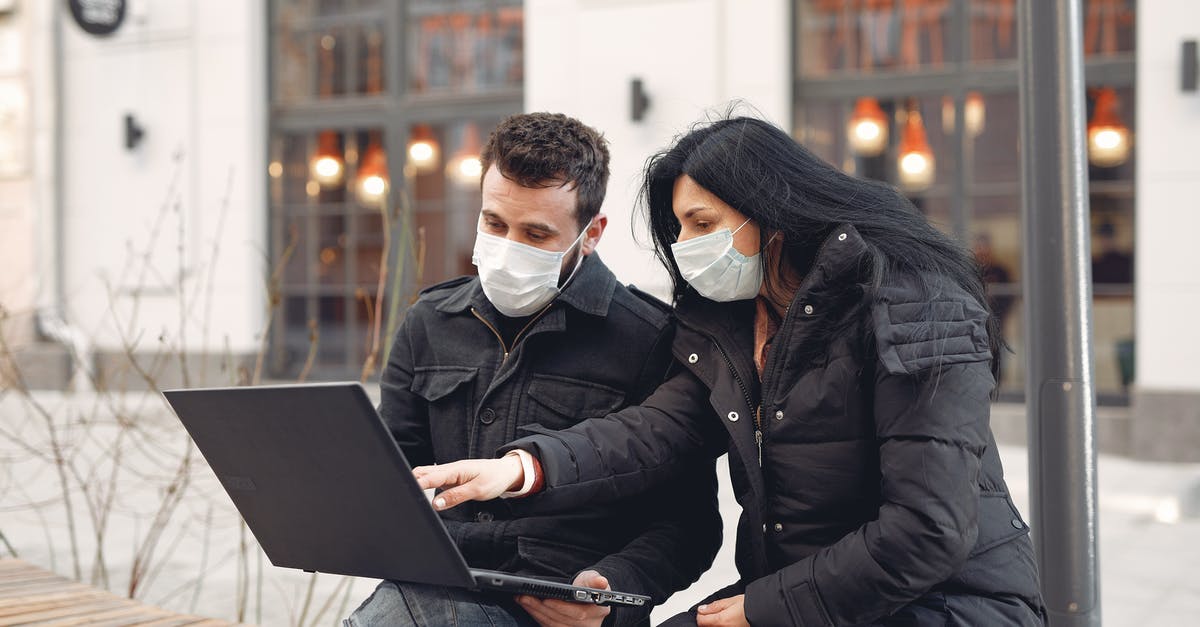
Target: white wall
{"x": 17, "y": 205}
{"x": 193, "y": 75}
{"x": 1168, "y": 200}
{"x": 692, "y": 56}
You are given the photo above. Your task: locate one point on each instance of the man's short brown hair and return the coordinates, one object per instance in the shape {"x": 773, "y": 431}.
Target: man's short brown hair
{"x": 552, "y": 150}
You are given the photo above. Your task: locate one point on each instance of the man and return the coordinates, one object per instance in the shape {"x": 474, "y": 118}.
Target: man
{"x": 543, "y": 338}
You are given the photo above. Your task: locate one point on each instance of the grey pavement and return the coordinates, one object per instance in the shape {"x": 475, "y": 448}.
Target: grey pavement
{"x": 1149, "y": 522}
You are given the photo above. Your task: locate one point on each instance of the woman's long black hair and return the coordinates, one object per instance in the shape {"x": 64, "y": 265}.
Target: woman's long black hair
{"x": 758, "y": 169}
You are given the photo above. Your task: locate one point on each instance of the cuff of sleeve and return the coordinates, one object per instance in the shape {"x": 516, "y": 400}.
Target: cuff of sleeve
{"x": 771, "y": 601}
{"x": 534, "y": 478}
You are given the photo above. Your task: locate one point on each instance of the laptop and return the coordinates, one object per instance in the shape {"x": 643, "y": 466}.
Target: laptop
{"x": 324, "y": 488}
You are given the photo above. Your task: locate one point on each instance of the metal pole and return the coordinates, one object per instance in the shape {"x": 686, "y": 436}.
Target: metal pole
{"x": 1060, "y": 394}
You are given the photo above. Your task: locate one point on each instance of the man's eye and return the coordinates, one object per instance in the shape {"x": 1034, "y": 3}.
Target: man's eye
{"x": 537, "y": 237}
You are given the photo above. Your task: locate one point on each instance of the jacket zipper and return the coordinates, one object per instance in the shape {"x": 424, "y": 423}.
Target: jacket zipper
{"x": 503, "y": 346}
{"x": 775, "y": 358}
{"x": 757, "y": 409}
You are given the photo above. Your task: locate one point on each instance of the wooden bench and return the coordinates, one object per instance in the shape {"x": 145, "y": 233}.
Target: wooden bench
{"x": 32, "y": 596}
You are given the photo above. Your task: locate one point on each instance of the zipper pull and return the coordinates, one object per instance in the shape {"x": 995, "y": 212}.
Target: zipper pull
{"x": 758, "y": 439}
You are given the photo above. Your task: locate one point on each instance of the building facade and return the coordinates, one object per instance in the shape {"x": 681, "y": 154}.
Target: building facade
{"x": 279, "y": 178}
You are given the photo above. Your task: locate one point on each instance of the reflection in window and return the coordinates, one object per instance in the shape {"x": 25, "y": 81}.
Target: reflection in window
{"x": 867, "y": 35}
{"x": 461, "y": 51}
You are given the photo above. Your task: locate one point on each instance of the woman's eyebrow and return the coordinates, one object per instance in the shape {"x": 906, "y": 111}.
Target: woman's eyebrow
{"x": 694, "y": 210}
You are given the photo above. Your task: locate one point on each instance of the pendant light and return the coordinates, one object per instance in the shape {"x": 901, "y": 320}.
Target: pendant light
{"x": 974, "y": 111}
{"x": 916, "y": 163}
{"x": 422, "y": 148}
{"x": 1109, "y": 140}
{"x": 326, "y": 166}
{"x": 465, "y": 168}
{"x": 867, "y": 131}
{"x": 371, "y": 186}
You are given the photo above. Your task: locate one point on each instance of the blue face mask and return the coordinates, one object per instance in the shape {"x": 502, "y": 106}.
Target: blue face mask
{"x": 716, "y": 269}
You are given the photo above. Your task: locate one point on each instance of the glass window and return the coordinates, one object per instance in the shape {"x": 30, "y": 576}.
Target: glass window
{"x": 464, "y": 51}
{"x": 966, "y": 176}
{"x": 354, "y": 248}
{"x": 873, "y": 35}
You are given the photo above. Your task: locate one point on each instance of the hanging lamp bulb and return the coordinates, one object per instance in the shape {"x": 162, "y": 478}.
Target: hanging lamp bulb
{"x": 326, "y": 166}
{"x": 465, "y": 168}
{"x": 371, "y": 186}
{"x": 867, "y": 131}
{"x": 974, "y": 110}
{"x": 916, "y": 163}
{"x": 1109, "y": 140}
{"x": 422, "y": 148}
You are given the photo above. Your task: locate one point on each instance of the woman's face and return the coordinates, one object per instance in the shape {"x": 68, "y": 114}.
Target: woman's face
{"x": 700, "y": 212}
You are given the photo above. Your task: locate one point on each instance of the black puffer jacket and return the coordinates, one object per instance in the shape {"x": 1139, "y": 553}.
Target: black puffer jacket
{"x": 869, "y": 478}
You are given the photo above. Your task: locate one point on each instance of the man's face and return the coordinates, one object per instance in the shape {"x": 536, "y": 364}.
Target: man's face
{"x": 540, "y": 217}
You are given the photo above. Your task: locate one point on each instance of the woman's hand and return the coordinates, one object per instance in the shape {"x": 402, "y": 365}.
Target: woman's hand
{"x": 730, "y": 612}
{"x": 471, "y": 479}
{"x": 555, "y": 613}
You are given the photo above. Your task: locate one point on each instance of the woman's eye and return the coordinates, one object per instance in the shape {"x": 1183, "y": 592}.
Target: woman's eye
{"x": 703, "y": 226}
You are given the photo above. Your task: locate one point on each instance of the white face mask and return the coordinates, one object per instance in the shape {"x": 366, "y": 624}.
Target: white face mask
{"x": 519, "y": 279}
{"x": 716, "y": 269}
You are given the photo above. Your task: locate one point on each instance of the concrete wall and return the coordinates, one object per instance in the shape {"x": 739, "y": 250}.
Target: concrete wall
{"x": 693, "y": 56}
{"x": 193, "y": 74}
{"x": 1167, "y": 397}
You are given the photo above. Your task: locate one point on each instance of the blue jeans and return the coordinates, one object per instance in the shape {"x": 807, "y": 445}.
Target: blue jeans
{"x": 413, "y": 604}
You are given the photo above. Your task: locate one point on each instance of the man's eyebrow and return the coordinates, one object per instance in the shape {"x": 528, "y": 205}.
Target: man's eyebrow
{"x": 540, "y": 226}
{"x": 694, "y": 210}
{"x": 536, "y": 226}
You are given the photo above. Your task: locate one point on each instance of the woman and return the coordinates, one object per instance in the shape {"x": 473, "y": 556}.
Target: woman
{"x": 841, "y": 349}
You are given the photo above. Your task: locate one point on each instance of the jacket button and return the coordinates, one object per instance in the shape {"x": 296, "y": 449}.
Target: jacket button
{"x": 808, "y": 309}
{"x": 733, "y": 416}
{"x": 693, "y": 358}
{"x": 778, "y": 527}
{"x": 841, "y": 237}
{"x": 1017, "y": 524}
{"x": 779, "y": 414}
{"x": 484, "y": 517}
{"x": 488, "y": 416}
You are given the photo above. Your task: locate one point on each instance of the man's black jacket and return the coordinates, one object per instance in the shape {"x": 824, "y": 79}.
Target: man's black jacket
{"x": 454, "y": 389}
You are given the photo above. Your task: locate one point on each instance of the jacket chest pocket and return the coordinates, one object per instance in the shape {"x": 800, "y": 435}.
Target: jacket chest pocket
{"x": 448, "y": 391}
{"x": 559, "y": 402}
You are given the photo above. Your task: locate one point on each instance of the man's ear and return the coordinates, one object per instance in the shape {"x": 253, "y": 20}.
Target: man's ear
{"x": 594, "y": 231}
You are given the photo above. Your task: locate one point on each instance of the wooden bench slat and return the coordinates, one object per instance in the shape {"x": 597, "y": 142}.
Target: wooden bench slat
{"x": 120, "y": 614}
{"x": 41, "y": 586}
{"x": 87, "y": 609}
{"x": 33, "y": 596}
{"x": 36, "y": 605}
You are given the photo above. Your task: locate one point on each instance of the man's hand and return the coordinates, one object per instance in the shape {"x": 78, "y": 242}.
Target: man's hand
{"x": 476, "y": 479}
{"x": 728, "y": 612}
{"x": 555, "y": 613}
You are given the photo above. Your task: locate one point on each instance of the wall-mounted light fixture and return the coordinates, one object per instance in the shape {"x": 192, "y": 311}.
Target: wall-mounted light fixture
{"x": 639, "y": 100}
{"x": 1191, "y": 66}
{"x": 134, "y": 132}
